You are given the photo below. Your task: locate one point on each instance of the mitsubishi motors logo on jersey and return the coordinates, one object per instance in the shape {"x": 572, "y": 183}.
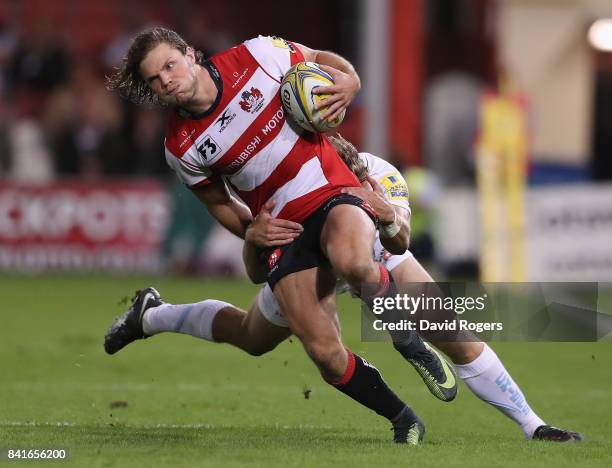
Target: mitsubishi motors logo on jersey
{"x": 252, "y": 100}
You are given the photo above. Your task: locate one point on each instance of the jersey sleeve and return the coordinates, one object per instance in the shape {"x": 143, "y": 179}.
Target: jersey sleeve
{"x": 389, "y": 178}
{"x": 275, "y": 55}
{"x": 188, "y": 173}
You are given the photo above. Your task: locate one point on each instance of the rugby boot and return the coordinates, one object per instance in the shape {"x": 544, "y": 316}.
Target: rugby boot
{"x": 128, "y": 327}
{"x": 408, "y": 428}
{"x": 438, "y": 375}
{"x": 554, "y": 434}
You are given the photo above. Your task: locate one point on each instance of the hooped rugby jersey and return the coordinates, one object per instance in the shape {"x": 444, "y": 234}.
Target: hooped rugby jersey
{"x": 246, "y": 140}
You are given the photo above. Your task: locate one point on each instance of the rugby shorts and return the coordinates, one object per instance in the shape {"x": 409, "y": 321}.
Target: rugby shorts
{"x": 270, "y": 309}
{"x": 305, "y": 251}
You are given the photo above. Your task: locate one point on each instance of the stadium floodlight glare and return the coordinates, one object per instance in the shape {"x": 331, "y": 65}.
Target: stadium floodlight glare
{"x": 600, "y": 35}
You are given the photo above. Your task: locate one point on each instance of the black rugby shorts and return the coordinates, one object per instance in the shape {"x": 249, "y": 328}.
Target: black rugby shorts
{"x": 305, "y": 250}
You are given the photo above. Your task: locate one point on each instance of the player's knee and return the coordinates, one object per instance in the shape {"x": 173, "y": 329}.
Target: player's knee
{"x": 256, "y": 352}
{"x": 259, "y": 349}
{"x": 461, "y": 352}
{"x": 358, "y": 270}
{"x": 323, "y": 353}
{"x": 468, "y": 352}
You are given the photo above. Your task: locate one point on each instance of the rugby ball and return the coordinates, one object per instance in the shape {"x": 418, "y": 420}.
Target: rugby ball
{"x": 299, "y": 101}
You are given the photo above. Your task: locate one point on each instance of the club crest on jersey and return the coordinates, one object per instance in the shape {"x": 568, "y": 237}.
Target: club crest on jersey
{"x": 252, "y": 100}
{"x": 225, "y": 119}
{"x": 274, "y": 258}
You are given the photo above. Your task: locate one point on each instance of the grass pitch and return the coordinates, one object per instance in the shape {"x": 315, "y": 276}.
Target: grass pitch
{"x": 176, "y": 401}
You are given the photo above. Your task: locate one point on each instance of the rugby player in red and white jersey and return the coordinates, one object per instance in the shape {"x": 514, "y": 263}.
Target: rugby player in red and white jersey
{"x": 264, "y": 326}
{"x": 228, "y": 129}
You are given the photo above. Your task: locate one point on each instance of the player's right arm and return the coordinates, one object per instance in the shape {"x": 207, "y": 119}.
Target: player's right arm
{"x": 263, "y": 231}
{"x": 229, "y": 212}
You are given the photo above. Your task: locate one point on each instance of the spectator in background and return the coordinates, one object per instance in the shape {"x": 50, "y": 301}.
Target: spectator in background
{"x": 451, "y": 120}
{"x": 131, "y": 17}
{"x": 59, "y": 118}
{"x": 38, "y": 65}
{"x": 205, "y": 38}
{"x": 84, "y": 128}
{"x": 147, "y": 134}
{"x": 8, "y": 42}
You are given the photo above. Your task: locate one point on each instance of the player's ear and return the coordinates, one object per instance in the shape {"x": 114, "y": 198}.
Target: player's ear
{"x": 190, "y": 54}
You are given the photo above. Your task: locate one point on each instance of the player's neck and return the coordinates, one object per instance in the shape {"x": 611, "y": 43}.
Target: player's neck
{"x": 205, "y": 93}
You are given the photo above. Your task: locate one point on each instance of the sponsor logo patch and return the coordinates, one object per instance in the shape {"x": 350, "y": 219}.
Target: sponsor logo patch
{"x": 239, "y": 76}
{"x": 282, "y": 44}
{"x": 279, "y": 42}
{"x": 274, "y": 258}
{"x": 225, "y": 119}
{"x": 186, "y": 137}
{"x": 395, "y": 186}
{"x": 208, "y": 148}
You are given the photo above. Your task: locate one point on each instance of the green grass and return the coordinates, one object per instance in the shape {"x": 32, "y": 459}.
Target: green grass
{"x": 192, "y": 403}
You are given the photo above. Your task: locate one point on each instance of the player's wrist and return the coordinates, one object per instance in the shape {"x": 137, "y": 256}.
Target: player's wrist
{"x": 388, "y": 230}
{"x": 250, "y": 235}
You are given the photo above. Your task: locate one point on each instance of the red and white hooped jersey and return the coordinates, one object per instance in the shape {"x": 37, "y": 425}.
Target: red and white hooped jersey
{"x": 246, "y": 139}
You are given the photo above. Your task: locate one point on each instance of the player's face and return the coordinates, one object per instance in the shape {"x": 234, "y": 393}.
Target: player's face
{"x": 170, "y": 74}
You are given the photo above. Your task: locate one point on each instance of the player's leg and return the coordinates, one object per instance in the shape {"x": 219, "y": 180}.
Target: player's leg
{"x": 251, "y": 331}
{"x": 211, "y": 320}
{"x": 307, "y": 301}
{"x": 347, "y": 240}
{"x": 483, "y": 372}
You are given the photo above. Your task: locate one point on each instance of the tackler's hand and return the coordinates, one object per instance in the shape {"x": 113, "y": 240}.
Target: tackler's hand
{"x": 374, "y": 196}
{"x": 267, "y": 231}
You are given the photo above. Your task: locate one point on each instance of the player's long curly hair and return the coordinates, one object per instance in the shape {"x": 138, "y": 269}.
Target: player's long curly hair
{"x": 127, "y": 79}
{"x": 350, "y": 156}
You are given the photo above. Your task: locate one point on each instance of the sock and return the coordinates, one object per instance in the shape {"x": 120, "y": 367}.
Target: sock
{"x": 364, "y": 384}
{"x": 191, "y": 319}
{"x": 386, "y": 288}
{"x": 489, "y": 380}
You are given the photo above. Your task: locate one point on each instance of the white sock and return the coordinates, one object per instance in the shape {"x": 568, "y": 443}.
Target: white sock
{"x": 489, "y": 380}
{"x": 191, "y": 319}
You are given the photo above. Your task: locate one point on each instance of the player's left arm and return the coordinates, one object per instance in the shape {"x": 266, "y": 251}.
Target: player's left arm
{"x": 346, "y": 79}
{"x": 394, "y": 220}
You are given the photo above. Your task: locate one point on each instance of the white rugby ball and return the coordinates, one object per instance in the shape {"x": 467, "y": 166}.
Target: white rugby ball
{"x": 299, "y": 101}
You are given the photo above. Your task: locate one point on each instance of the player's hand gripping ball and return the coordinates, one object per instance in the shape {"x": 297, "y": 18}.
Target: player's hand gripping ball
{"x": 299, "y": 101}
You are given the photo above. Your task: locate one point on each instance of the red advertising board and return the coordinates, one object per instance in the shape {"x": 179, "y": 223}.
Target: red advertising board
{"x": 76, "y": 225}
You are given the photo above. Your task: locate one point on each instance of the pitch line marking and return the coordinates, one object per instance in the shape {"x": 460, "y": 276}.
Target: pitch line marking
{"x": 157, "y": 426}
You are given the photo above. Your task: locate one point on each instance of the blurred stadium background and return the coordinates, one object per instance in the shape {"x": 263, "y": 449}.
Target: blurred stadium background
{"x": 497, "y": 111}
